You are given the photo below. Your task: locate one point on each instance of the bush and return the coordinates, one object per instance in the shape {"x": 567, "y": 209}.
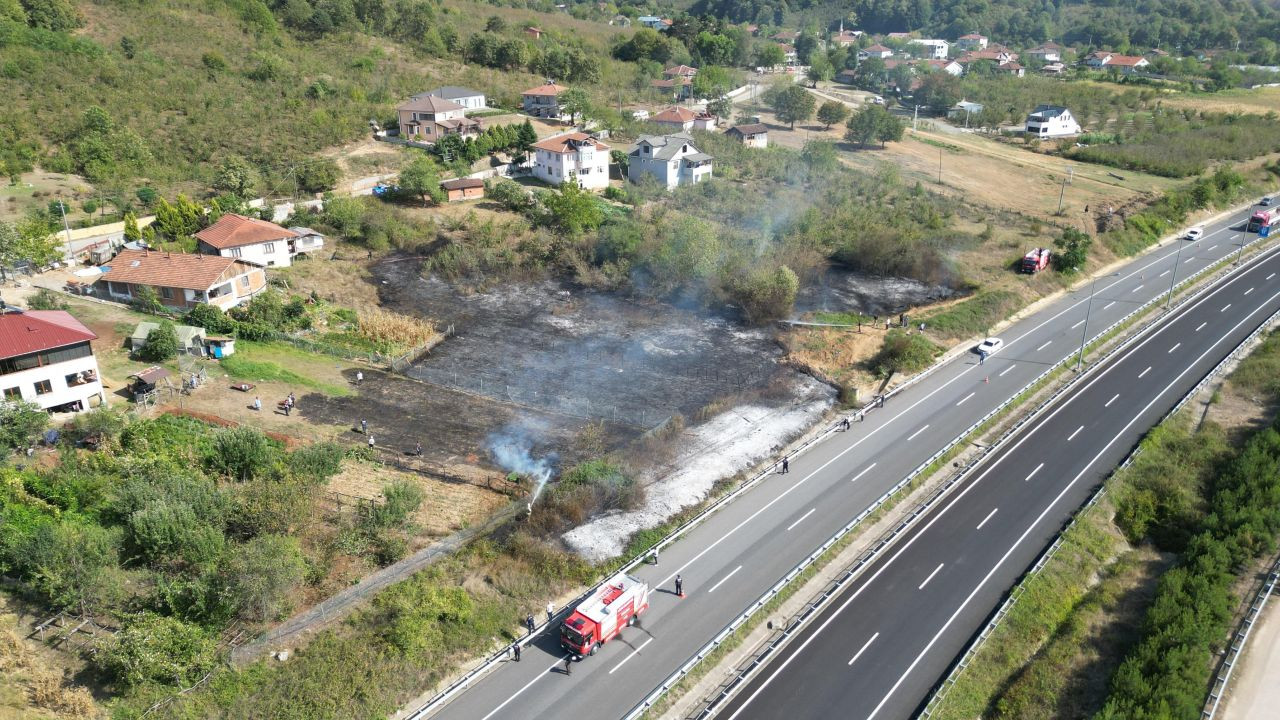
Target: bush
{"x": 145, "y": 300}
{"x": 21, "y": 424}
{"x": 241, "y": 453}
{"x": 903, "y": 352}
{"x": 1073, "y": 251}
{"x": 162, "y": 343}
{"x": 400, "y": 500}
{"x": 765, "y": 295}
{"x": 152, "y": 648}
{"x": 211, "y": 318}
{"x": 46, "y": 299}
{"x": 260, "y": 577}
{"x": 316, "y": 462}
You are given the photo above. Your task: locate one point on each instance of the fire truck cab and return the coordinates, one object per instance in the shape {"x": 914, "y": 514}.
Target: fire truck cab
{"x": 602, "y": 616}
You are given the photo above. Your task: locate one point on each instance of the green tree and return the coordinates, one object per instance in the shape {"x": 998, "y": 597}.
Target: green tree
{"x": 154, "y": 648}
{"x": 259, "y": 578}
{"x": 820, "y": 70}
{"x": 21, "y": 423}
{"x": 56, "y": 15}
{"x": 832, "y": 112}
{"x": 145, "y": 300}
{"x": 873, "y": 122}
{"x": 820, "y": 157}
{"x": 793, "y": 104}
{"x": 400, "y": 500}
{"x": 131, "y": 231}
{"x": 1073, "y": 251}
{"x": 241, "y": 453}
{"x": 766, "y": 295}
{"x": 904, "y": 352}
{"x": 32, "y": 240}
{"x": 573, "y": 209}
{"x": 938, "y": 91}
{"x": 710, "y": 82}
{"x": 713, "y": 48}
{"x": 102, "y": 149}
{"x": 73, "y": 565}
{"x": 236, "y": 176}
{"x": 421, "y": 178}
{"x": 211, "y": 318}
{"x": 889, "y": 128}
{"x": 526, "y": 137}
{"x": 806, "y": 47}
{"x": 575, "y": 102}
{"x": 495, "y": 24}
{"x": 317, "y": 175}
{"x": 769, "y": 55}
{"x": 162, "y": 343}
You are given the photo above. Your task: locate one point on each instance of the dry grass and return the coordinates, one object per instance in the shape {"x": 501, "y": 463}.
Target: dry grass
{"x": 1262, "y": 100}
{"x": 446, "y": 507}
{"x": 384, "y": 326}
{"x": 30, "y": 685}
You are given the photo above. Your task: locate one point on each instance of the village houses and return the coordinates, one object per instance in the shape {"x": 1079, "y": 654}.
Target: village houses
{"x": 257, "y": 241}
{"x": 544, "y": 102}
{"x": 181, "y": 280}
{"x": 1126, "y": 64}
{"x": 1049, "y": 121}
{"x": 972, "y": 41}
{"x": 936, "y": 49}
{"x": 670, "y": 159}
{"x": 572, "y": 157}
{"x": 754, "y": 135}
{"x": 46, "y": 358}
{"x": 427, "y": 118}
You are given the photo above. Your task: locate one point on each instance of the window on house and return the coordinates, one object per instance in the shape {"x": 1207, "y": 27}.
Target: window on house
{"x": 235, "y": 252}
{"x": 269, "y": 247}
{"x": 44, "y": 387}
{"x": 118, "y": 288}
{"x": 166, "y": 293}
{"x": 12, "y": 393}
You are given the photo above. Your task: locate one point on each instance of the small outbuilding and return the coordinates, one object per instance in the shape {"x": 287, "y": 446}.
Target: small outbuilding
{"x": 463, "y": 189}
{"x": 190, "y": 339}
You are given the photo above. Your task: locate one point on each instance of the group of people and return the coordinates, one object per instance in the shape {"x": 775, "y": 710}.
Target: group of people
{"x": 287, "y": 405}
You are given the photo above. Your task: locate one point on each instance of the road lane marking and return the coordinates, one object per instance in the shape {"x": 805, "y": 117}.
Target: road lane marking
{"x": 1074, "y": 434}
{"x": 1224, "y": 308}
{"x": 1166, "y": 272}
{"x": 1033, "y": 472}
{"x": 1270, "y": 276}
{"x": 1215, "y": 247}
{"x": 966, "y": 397}
{"x": 802, "y": 517}
{"x": 1113, "y": 302}
{"x": 1002, "y": 372}
{"x": 735, "y": 570}
{"x": 1113, "y": 399}
{"x": 985, "y": 519}
{"x": 1073, "y": 327}
{"x": 935, "y": 572}
{"x": 1144, "y": 372}
{"x": 1044, "y": 346}
{"x": 864, "y": 648}
{"x": 864, "y": 472}
{"x": 1175, "y": 347}
{"x": 1137, "y": 288}
{"x": 1246, "y": 292}
{"x": 1201, "y": 326}
{"x": 633, "y": 654}
{"x": 527, "y": 685}
{"x": 914, "y": 434}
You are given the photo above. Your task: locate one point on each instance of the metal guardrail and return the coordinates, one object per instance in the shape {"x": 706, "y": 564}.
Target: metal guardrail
{"x": 494, "y": 659}
{"x": 1239, "y": 640}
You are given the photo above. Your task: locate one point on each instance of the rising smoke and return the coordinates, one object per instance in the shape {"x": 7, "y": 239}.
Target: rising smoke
{"x": 512, "y": 449}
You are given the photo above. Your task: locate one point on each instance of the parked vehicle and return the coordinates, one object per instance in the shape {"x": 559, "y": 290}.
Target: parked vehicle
{"x": 989, "y": 346}
{"x": 1036, "y": 260}
{"x": 1264, "y": 221}
{"x": 602, "y": 616}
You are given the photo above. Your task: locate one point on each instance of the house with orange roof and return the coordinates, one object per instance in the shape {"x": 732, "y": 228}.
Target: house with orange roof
{"x": 678, "y": 87}
{"x": 181, "y": 280}
{"x": 428, "y": 118}
{"x": 258, "y": 241}
{"x": 675, "y": 119}
{"x": 1127, "y": 64}
{"x": 972, "y": 41}
{"x": 572, "y": 157}
{"x": 544, "y": 102}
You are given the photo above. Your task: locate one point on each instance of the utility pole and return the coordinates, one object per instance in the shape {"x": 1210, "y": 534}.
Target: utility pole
{"x": 1084, "y": 332}
{"x": 1061, "y": 193}
{"x": 1172, "y": 280}
{"x": 939, "y": 166}
{"x": 62, "y": 207}
{"x": 915, "y": 118}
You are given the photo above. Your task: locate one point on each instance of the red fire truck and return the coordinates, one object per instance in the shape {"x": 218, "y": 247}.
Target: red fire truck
{"x": 603, "y": 615}
{"x": 1036, "y": 260}
{"x": 1264, "y": 222}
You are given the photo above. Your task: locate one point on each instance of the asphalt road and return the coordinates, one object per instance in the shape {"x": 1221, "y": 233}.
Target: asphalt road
{"x": 879, "y": 647}
{"x": 736, "y": 554}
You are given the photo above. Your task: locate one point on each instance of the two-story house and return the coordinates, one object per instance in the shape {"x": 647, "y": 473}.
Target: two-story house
{"x": 544, "y": 102}
{"x": 258, "y": 241}
{"x": 1127, "y": 64}
{"x": 936, "y": 49}
{"x": 1048, "y": 121}
{"x": 427, "y": 118}
{"x": 670, "y": 159}
{"x": 572, "y": 157}
{"x": 875, "y": 51}
{"x": 466, "y": 97}
{"x": 46, "y": 359}
{"x": 972, "y": 41}
{"x": 1049, "y": 52}
{"x": 182, "y": 280}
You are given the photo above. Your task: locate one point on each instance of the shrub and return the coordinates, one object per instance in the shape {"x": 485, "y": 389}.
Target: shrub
{"x": 241, "y": 453}
{"x": 259, "y": 577}
{"x": 316, "y": 462}
{"x": 211, "y": 318}
{"x": 21, "y": 424}
{"x": 400, "y": 500}
{"x": 145, "y": 300}
{"x": 903, "y": 352}
{"x": 152, "y": 648}
{"x": 1073, "y": 251}
{"x": 765, "y": 295}
{"x": 162, "y": 343}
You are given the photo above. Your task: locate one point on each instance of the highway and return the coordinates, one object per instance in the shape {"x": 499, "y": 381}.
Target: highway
{"x": 737, "y": 553}
{"x": 877, "y": 649}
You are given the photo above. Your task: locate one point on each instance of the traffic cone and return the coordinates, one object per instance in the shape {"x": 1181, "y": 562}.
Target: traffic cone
{"x": 986, "y": 379}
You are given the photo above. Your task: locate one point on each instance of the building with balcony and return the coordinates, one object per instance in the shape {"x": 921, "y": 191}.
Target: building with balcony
{"x": 46, "y": 358}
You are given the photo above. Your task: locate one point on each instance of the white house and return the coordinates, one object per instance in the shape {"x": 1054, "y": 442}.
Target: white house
{"x": 466, "y": 97}
{"x": 257, "y": 241}
{"x": 1103, "y": 60}
{"x": 964, "y": 110}
{"x": 651, "y": 21}
{"x": 46, "y": 359}
{"x": 1049, "y": 52}
{"x": 670, "y": 159}
{"x": 754, "y": 135}
{"x": 972, "y": 41}
{"x": 572, "y": 157}
{"x": 950, "y": 67}
{"x": 938, "y": 49}
{"x": 1048, "y": 121}
{"x": 875, "y": 51}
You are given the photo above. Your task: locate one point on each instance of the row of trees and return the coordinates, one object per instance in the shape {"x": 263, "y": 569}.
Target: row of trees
{"x": 566, "y": 63}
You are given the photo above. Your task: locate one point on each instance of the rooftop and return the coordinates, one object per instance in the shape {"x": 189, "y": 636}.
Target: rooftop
{"x": 179, "y": 270}
{"x": 568, "y": 143}
{"x": 675, "y": 114}
{"x": 751, "y": 129}
{"x": 234, "y": 230}
{"x": 666, "y": 147}
{"x": 548, "y": 89}
{"x": 429, "y": 103}
{"x": 462, "y": 184}
{"x": 22, "y": 333}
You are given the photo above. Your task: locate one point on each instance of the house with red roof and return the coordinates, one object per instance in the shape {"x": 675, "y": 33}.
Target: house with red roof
{"x": 675, "y": 119}
{"x": 181, "y": 280}
{"x": 875, "y": 51}
{"x": 544, "y": 102}
{"x": 257, "y": 241}
{"x": 1103, "y": 60}
{"x": 572, "y": 157}
{"x": 46, "y": 358}
{"x": 972, "y": 41}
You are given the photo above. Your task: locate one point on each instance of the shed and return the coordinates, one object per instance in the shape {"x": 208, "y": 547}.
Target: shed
{"x": 190, "y": 339}
{"x": 220, "y": 346}
{"x": 146, "y": 381}
{"x": 463, "y": 189}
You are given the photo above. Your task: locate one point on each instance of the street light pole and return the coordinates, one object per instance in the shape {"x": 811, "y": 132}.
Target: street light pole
{"x": 1240, "y": 250}
{"x": 1172, "y": 280}
{"x": 1084, "y": 332}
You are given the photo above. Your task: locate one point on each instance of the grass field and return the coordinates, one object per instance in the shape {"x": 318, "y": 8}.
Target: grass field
{"x": 1261, "y": 100}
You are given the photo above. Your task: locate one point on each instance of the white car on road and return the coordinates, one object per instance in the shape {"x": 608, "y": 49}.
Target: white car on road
{"x": 989, "y": 346}
{"x": 1194, "y": 233}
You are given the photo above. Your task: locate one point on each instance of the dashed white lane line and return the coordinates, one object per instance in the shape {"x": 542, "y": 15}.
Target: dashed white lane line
{"x": 1137, "y": 288}
{"x": 1211, "y": 249}
{"x": 864, "y": 647}
{"x": 1224, "y": 308}
{"x": 1269, "y": 276}
{"x": 914, "y": 434}
{"x": 528, "y": 685}
{"x": 1166, "y": 272}
{"x": 1073, "y": 327}
{"x": 1201, "y": 326}
{"x": 1047, "y": 343}
{"x": 1073, "y": 435}
{"x": 1144, "y": 372}
{"x": 1246, "y": 292}
{"x": 1113, "y": 399}
{"x": 1033, "y": 472}
{"x": 966, "y": 397}
{"x": 1113, "y": 302}
{"x": 734, "y": 572}
{"x": 864, "y": 472}
{"x": 633, "y": 654}
{"x": 802, "y": 517}
{"x": 1002, "y": 372}
{"x": 1175, "y": 347}
{"x": 935, "y": 572}
{"x": 985, "y": 519}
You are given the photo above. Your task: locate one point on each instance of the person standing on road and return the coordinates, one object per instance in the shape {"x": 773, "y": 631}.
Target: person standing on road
{"x": 568, "y": 664}
{"x": 551, "y": 611}
{"x": 786, "y": 465}
{"x": 528, "y": 622}
{"x": 371, "y": 443}
{"x": 364, "y": 427}
{"x": 515, "y": 651}
{"x": 982, "y": 357}
{"x": 679, "y": 586}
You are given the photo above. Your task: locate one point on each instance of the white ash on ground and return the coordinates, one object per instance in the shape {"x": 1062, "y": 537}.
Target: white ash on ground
{"x": 733, "y": 441}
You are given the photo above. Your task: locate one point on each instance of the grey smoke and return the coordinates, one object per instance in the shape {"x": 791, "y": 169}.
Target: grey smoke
{"x": 512, "y": 448}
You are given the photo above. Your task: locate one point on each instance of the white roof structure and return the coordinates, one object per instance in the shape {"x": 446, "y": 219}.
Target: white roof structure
{"x": 597, "y": 607}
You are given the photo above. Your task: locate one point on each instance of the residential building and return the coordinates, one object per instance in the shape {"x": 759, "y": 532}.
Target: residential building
{"x": 964, "y": 110}
{"x": 999, "y": 56}
{"x": 1011, "y": 68}
{"x": 972, "y": 41}
{"x": 684, "y": 71}
{"x": 1055, "y": 68}
{"x": 705, "y": 121}
{"x": 677, "y": 87}
{"x": 427, "y": 118}
{"x": 463, "y": 189}
{"x": 533, "y": 32}
{"x": 1049, "y": 52}
{"x": 670, "y": 159}
{"x": 875, "y": 51}
{"x": 258, "y": 241}
{"x": 789, "y": 54}
{"x": 845, "y": 38}
{"x": 1127, "y": 64}
{"x": 46, "y": 358}
{"x": 651, "y": 21}
{"x": 785, "y": 36}
{"x": 182, "y": 280}
{"x": 572, "y": 157}
{"x": 544, "y": 102}
{"x": 1048, "y": 121}
{"x": 466, "y": 97}
{"x": 752, "y": 135}
{"x": 899, "y": 36}
{"x": 848, "y": 77}
{"x": 951, "y": 67}
{"x": 675, "y": 119}
{"x": 937, "y": 49}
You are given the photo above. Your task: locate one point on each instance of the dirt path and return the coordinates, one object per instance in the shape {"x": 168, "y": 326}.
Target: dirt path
{"x": 1256, "y": 686}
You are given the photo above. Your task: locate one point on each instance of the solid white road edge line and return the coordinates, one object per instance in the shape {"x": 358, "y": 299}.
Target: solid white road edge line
{"x": 935, "y": 572}
{"x": 802, "y": 517}
{"x": 985, "y": 519}
{"x": 631, "y": 655}
{"x": 863, "y": 649}
{"x": 731, "y": 574}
